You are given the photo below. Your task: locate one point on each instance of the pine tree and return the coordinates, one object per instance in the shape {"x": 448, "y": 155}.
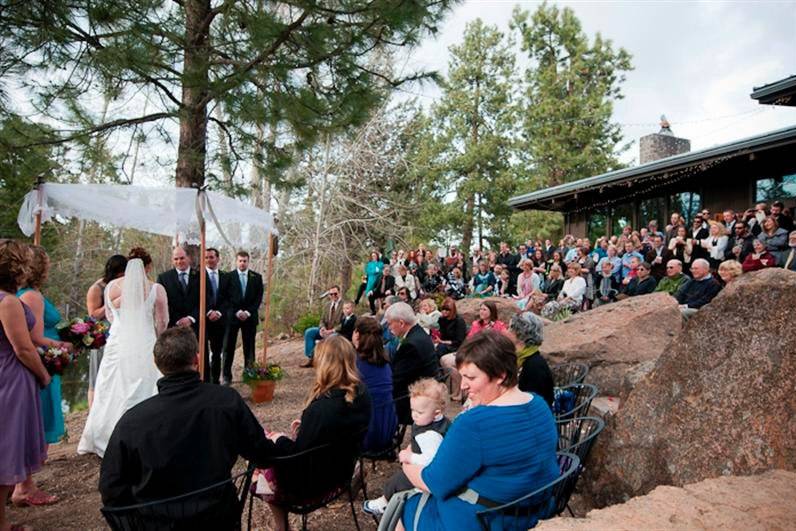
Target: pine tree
{"x": 472, "y": 128}
{"x": 570, "y": 87}
{"x": 301, "y": 66}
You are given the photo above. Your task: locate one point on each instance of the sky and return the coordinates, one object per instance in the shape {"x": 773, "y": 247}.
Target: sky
{"x": 695, "y": 62}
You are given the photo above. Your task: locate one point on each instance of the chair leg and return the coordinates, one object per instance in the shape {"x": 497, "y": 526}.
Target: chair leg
{"x": 303, "y": 522}
{"x": 251, "y": 503}
{"x": 353, "y": 511}
{"x": 362, "y": 478}
{"x": 570, "y": 511}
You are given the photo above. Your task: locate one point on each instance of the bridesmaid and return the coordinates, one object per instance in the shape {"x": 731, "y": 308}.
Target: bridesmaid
{"x": 45, "y": 335}
{"x": 21, "y": 375}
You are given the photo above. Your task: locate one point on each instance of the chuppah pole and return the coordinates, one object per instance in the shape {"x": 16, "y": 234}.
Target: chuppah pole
{"x": 264, "y": 356}
{"x": 202, "y": 293}
{"x": 37, "y": 229}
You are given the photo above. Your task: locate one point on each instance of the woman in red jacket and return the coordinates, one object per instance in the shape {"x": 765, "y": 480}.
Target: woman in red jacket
{"x": 759, "y": 259}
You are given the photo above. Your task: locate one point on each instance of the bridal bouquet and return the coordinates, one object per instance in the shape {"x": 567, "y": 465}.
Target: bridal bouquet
{"x": 86, "y": 333}
{"x": 56, "y": 359}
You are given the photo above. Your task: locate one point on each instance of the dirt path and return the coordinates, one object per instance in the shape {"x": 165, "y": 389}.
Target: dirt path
{"x": 74, "y": 477}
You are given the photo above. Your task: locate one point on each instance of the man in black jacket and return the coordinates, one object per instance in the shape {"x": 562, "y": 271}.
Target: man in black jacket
{"x": 414, "y": 359}
{"x": 217, "y": 315}
{"x": 186, "y": 437}
{"x": 643, "y": 282}
{"x": 182, "y": 289}
{"x": 739, "y": 244}
{"x": 244, "y": 295}
{"x": 699, "y": 291}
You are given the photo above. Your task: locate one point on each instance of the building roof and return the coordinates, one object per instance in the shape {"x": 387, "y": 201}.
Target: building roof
{"x": 545, "y": 199}
{"x": 782, "y": 92}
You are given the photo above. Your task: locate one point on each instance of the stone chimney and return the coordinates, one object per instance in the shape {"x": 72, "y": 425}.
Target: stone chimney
{"x": 662, "y": 144}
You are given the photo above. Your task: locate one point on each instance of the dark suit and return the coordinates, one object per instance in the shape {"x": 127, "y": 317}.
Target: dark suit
{"x": 414, "y": 359}
{"x": 216, "y": 330}
{"x": 183, "y": 302}
{"x": 347, "y": 324}
{"x": 658, "y": 269}
{"x": 237, "y": 300}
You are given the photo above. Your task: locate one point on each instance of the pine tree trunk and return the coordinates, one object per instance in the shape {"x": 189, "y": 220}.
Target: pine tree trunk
{"x": 467, "y": 228}
{"x": 192, "y": 148}
{"x": 316, "y": 244}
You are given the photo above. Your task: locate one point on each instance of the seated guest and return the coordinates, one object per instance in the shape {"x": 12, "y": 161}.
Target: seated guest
{"x": 607, "y": 286}
{"x": 774, "y": 238}
{"x": 759, "y": 259}
{"x": 338, "y": 411}
{"x": 553, "y": 284}
{"x": 456, "y": 288}
{"x": 374, "y": 368}
{"x": 615, "y": 261}
{"x": 784, "y": 221}
{"x": 528, "y": 282}
{"x": 527, "y": 331}
{"x": 681, "y": 247}
{"x": 630, "y": 253}
{"x": 480, "y": 463}
{"x": 657, "y": 257}
{"x": 555, "y": 259}
{"x": 790, "y": 255}
{"x": 503, "y": 288}
{"x": 674, "y": 279}
{"x": 484, "y": 280}
{"x": 329, "y": 321}
{"x": 729, "y": 270}
{"x": 487, "y": 319}
{"x": 389, "y": 340}
{"x": 186, "y": 437}
{"x": 699, "y": 291}
{"x": 739, "y": 244}
{"x": 434, "y": 281}
{"x": 571, "y": 295}
{"x": 452, "y": 332}
{"x": 414, "y": 359}
{"x": 428, "y": 316}
{"x": 347, "y": 321}
{"x": 715, "y": 244}
{"x": 404, "y": 279}
{"x": 642, "y": 283}
{"x": 385, "y": 286}
{"x": 428, "y": 398}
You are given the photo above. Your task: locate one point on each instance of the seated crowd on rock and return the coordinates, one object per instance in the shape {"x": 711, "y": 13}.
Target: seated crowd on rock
{"x": 690, "y": 261}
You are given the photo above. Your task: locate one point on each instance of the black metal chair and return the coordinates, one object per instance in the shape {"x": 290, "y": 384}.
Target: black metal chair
{"x": 294, "y": 473}
{"x": 523, "y": 513}
{"x": 578, "y": 436}
{"x": 218, "y": 506}
{"x": 573, "y": 400}
{"x": 569, "y": 373}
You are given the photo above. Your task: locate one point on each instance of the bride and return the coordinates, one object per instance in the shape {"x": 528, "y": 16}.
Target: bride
{"x": 138, "y": 311}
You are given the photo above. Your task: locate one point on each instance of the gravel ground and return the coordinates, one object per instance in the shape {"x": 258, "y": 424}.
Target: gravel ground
{"x": 74, "y": 477}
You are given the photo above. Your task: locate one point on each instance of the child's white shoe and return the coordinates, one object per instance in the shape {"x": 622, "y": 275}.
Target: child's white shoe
{"x": 375, "y": 507}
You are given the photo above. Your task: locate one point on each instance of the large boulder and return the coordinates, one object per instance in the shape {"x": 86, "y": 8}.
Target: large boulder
{"x": 751, "y": 502}
{"x": 719, "y": 401}
{"x": 468, "y": 308}
{"x": 615, "y": 339}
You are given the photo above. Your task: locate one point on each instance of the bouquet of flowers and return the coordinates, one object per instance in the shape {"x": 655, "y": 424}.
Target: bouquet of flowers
{"x": 258, "y": 373}
{"x": 86, "y": 333}
{"x": 56, "y": 359}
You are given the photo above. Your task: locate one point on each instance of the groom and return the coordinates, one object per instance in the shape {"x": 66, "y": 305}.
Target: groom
{"x": 182, "y": 288}
{"x": 244, "y": 295}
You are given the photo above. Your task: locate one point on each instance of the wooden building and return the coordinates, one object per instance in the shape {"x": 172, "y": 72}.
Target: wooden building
{"x": 671, "y": 179}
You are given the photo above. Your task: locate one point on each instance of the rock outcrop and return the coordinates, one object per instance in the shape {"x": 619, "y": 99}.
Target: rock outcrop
{"x": 752, "y": 502}
{"x": 468, "y": 308}
{"x": 616, "y": 339}
{"x": 720, "y": 400}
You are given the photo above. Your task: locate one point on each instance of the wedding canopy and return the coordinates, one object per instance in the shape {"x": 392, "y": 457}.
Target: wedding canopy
{"x": 167, "y": 211}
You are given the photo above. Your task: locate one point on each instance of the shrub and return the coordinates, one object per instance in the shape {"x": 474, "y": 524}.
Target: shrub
{"x": 306, "y": 321}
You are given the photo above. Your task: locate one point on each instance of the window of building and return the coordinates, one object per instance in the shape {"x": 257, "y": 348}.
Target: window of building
{"x": 621, "y": 217}
{"x": 598, "y": 224}
{"x": 687, "y": 204}
{"x": 775, "y": 188}
{"x": 649, "y": 209}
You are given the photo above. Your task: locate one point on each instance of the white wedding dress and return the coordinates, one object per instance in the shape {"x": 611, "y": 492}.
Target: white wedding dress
{"x": 128, "y": 374}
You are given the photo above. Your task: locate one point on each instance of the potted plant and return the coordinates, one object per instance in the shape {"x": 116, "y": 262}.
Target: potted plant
{"x": 262, "y": 380}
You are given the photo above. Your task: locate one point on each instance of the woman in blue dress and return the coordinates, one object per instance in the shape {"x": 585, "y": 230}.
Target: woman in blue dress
{"x": 480, "y": 463}
{"x": 373, "y": 271}
{"x": 374, "y": 368}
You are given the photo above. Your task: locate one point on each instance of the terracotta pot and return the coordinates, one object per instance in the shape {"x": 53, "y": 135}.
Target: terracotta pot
{"x": 263, "y": 391}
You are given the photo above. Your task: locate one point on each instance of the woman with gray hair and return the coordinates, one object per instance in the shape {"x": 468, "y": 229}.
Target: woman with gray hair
{"x": 527, "y": 331}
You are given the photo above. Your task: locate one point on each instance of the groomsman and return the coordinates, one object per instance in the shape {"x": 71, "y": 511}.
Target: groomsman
{"x": 245, "y": 293}
{"x": 217, "y": 315}
{"x": 182, "y": 288}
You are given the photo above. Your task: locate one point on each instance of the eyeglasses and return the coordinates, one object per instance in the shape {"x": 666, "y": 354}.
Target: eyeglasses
{"x": 334, "y": 294}
{"x": 671, "y": 267}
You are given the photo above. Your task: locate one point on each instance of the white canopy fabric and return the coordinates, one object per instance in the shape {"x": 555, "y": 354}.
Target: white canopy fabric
{"x": 167, "y": 211}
